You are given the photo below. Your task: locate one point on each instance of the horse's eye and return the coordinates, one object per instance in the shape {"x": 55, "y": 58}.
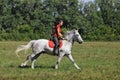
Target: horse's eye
{"x": 77, "y": 35}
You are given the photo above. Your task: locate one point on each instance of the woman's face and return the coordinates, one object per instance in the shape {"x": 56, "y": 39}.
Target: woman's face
{"x": 61, "y": 23}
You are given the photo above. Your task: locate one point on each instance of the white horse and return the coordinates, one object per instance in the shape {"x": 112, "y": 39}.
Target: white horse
{"x": 41, "y": 46}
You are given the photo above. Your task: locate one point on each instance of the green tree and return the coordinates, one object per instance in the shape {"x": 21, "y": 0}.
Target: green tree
{"x": 33, "y": 19}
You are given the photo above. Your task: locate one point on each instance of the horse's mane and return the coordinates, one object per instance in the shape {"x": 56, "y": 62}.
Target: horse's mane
{"x": 69, "y": 34}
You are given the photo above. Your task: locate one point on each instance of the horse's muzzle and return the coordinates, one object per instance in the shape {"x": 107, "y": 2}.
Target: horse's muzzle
{"x": 80, "y": 42}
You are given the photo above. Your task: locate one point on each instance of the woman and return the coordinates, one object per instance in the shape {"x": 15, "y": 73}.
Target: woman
{"x": 57, "y": 35}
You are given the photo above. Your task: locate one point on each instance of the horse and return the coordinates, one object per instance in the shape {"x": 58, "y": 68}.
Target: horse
{"x": 41, "y": 46}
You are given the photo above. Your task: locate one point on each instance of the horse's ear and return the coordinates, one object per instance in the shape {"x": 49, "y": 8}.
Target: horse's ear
{"x": 80, "y": 30}
{"x": 74, "y": 30}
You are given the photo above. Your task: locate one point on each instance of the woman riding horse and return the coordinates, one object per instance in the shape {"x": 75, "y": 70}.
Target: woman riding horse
{"x": 41, "y": 46}
{"x": 57, "y": 34}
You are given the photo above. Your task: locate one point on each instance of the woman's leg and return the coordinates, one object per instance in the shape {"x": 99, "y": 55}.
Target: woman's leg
{"x": 55, "y": 51}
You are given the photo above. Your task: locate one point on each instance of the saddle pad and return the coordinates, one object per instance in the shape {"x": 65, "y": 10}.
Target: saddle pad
{"x": 51, "y": 44}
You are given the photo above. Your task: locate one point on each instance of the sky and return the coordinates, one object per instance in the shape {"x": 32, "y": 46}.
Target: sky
{"x": 86, "y": 0}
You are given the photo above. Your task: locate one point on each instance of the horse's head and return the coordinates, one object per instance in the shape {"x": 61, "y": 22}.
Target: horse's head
{"x": 77, "y": 37}
{"x": 73, "y": 35}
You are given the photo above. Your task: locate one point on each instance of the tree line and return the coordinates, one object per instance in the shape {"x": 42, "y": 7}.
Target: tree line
{"x": 34, "y": 19}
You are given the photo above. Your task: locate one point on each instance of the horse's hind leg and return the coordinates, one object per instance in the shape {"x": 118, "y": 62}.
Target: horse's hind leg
{"x": 27, "y": 60}
{"x": 34, "y": 59}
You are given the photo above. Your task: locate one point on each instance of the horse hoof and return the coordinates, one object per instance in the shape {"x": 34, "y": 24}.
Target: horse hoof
{"x": 32, "y": 67}
{"x": 56, "y": 67}
{"x": 22, "y": 66}
{"x": 79, "y": 69}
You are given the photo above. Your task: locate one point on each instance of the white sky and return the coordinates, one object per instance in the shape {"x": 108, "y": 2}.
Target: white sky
{"x": 86, "y": 0}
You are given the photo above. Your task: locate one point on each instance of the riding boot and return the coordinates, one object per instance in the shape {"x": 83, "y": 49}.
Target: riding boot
{"x": 55, "y": 51}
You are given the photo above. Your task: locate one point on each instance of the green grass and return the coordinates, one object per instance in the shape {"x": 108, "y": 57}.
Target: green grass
{"x": 98, "y": 61}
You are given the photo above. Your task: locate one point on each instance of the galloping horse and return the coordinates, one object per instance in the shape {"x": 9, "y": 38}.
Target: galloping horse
{"x": 41, "y": 46}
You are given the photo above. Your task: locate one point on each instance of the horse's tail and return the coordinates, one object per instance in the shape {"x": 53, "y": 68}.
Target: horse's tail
{"x": 24, "y": 47}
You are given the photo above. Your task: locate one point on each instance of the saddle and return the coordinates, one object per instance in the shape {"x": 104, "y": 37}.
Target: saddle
{"x": 51, "y": 43}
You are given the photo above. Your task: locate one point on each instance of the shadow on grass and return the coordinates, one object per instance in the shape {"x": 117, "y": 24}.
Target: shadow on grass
{"x": 44, "y": 67}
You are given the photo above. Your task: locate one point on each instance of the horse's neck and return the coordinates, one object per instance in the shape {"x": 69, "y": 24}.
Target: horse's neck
{"x": 68, "y": 44}
{"x": 70, "y": 39}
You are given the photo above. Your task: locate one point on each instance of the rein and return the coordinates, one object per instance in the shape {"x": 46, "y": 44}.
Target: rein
{"x": 71, "y": 40}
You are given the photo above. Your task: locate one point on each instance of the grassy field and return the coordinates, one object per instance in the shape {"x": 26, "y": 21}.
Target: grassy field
{"x": 98, "y": 61}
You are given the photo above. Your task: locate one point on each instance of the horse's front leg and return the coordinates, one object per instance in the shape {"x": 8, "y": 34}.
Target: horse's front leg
{"x": 59, "y": 59}
{"x": 72, "y": 60}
